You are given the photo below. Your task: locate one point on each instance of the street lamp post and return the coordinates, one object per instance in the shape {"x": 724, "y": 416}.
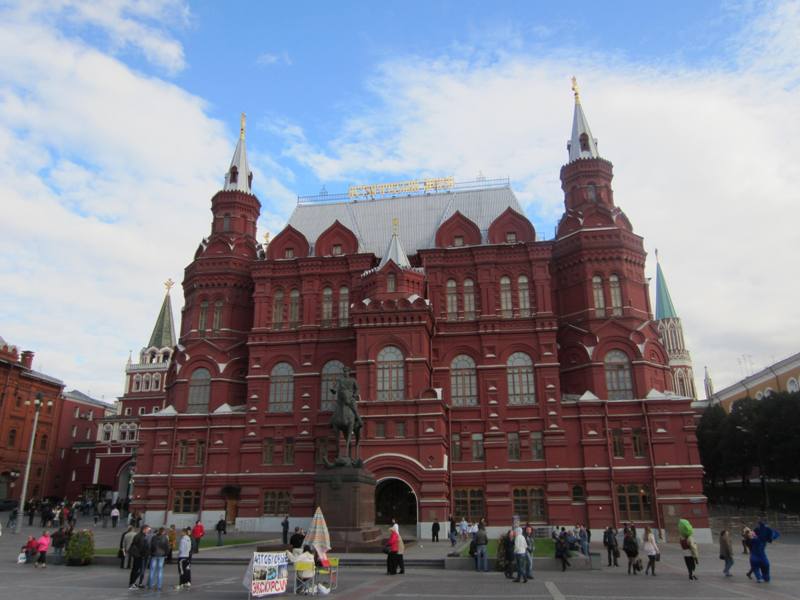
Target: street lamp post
{"x": 37, "y": 403}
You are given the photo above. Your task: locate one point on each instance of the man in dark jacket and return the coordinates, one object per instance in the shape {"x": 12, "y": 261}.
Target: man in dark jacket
{"x": 611, "y": 544}
{"x": 435, "y": 530}
{"x": 159, "y": 548}
{"x": 481, "y": 541}
{"x": 139, "y": 551}
{"x": 222, "y": 528}
{"x": 59, "y": 541}
{"x": 296, "y": 540}
{"x": 285, "y": 529}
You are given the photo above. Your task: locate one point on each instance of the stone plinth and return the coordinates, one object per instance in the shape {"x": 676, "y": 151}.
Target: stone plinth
{"x": 346, "y": 496}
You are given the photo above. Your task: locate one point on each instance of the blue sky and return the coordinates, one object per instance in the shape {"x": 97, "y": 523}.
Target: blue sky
{"x": 118, "y": 119}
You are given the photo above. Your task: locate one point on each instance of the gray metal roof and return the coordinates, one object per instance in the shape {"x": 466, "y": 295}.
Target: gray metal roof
{"x": 419, "y": 216}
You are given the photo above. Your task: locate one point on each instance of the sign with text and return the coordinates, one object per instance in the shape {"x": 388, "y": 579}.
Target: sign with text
{"x": 267, "y": 574}
{"x": 401, "y": 187}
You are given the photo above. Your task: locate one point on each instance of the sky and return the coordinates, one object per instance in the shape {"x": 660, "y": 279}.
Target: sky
{"x": 118, "y": 120}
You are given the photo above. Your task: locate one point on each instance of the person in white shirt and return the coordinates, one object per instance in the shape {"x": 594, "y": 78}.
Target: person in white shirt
{"x": 520, "y": 555}
{"x": 185, "y": 560}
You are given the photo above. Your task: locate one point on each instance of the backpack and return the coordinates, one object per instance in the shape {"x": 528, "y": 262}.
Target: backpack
{"x": 685, "y": 543}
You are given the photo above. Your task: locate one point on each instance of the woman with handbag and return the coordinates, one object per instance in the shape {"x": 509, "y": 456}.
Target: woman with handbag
{"x": 630, "y": 546}
{"x": 391, "y": 549}
{"x": 651, "y": 549}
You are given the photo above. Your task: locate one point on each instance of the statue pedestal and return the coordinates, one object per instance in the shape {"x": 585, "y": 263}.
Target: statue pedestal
{"x": 346, "y": 496}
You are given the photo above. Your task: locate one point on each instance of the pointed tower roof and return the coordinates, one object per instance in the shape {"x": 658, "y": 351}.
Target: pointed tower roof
{"x": 664, "y": 307}
{"x": 239, "y": 176}
{"x": 708, "y": 384}
{"x": 164, "y": 332}
{"x": 582, "y": 144}
{"x": 395, "y": 250}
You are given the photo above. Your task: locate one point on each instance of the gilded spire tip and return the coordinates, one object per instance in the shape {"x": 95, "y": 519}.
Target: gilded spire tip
{"x": 241, "y": 129}
{"x": 168, "y": 284}
{"x": 575, "y": 90}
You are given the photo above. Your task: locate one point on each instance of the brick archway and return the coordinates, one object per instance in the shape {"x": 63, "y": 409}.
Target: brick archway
{"x": 395, "y": 499}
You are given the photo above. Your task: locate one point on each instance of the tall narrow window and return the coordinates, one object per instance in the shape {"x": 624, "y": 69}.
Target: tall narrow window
{"x": 524, "y": 296}
{"x": 199, "y": 391}
{"x": 200, "y": 453}
{"x": 281, "y": 388}
{"x": 12, "y": 438}
{"x": 226, "y": 222}
{"x": 391, "y": 283}
{"x": 455, "y": 446}
{"x": 591, "y": 192}
{"x": 513, "y": 446}
{"x": 380, "y": 429}
{"x": 463, "y": 381}
{"x": 537, "y": 445}
{"x": 294, "y": 308}
{"x": 288, "y": 451}
{"x": 156, "y": 382}
{"x": 506, "y": 309}
{"x": 331, "y": 372}
{"x": 277, "y": 310}
{"x": 146, "y": 383}
{"x": 400, "y": 429}
{"x": 638, "y": 443}
{"x": 599, "y": 298}
{"x": 477, "y": 446}
{"x": 327, "y": 307}
{"x": 217, "y": 323}
{"x": 617, "y": 443}
{"x": 618, "y": 376}
{"x": 584, "y": 141}
{"x": 469, "y": 504}
{"x": 182, "y": 446}
{"x": 616, "y": 295}
{"x": 267, "y": 451}
{"x": 391, "y": 380}
{"x": 529, "y": 504}
{"x": 634, "y": 502}
{"x": 452, "y": 300}
{"x": 344, "y": 306}
{"x": 469, "y": 299}
{"x": 519, "y": 375}
{"x": 203, "y": 318}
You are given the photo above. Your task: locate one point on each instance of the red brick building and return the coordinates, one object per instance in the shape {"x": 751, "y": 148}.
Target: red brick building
{"x": 500, "y": 374}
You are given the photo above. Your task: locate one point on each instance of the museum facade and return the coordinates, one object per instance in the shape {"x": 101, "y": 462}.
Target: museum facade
{"x": 500, "y": 374}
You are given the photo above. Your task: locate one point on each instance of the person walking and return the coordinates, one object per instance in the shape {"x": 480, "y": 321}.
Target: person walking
{"x": 452, "y": 533}
{"x": 285, "y": 530}
{"x": 481, "y": 542}
{"x": 401, "y": 550}
{"x": 138, "y": 551}
{"x": 520, "y": 552}
{"x": 114, "y": 516}
{"x": 172, "y": 536}
{"x": 726, "y": 551}
{"x": 583, "y": 538}
{"x": 690, "y": 555}
{"x": 42, "y": 546}
{"x": 391, "y": 556}
{"x": 611, "y": 544}
{"x": 562, "y": 550}
{"x": 198, "y": 531}
{"x": 630, "y": 546}
{"x": 435, "y": 530}
{"x": 185, "y": 560}
{"x": 651, "y": 550}
{"x": 222, "y": 528}
{"x": 159, "y": 546}
{"x": 759, "y": 563}
{"x": 529, "y": 541}
{"x": 12, "y": 518}
{"x": 746, "y": 540}
{"x": 127, "y": 540}
{"x": 59, "y": 540}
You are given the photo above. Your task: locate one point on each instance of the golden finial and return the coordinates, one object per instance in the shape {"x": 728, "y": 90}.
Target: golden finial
{"x": 575, "y": 90}
{"x": 266, "y": 238}
{"x": 168, "y": 284}
{"x": 241, "y": 130}
{"x": 395, "y": 225}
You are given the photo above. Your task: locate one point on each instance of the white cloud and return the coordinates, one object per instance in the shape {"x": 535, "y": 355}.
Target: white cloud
{"x": 268, "y": 59}
{"x": 705, "y": 162}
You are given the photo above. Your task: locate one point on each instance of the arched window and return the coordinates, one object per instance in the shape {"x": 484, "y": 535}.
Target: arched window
{"x": 506, "y": 309}
{"x": 201, "y": 321}
{"x": 156, "y": 382}
{"x": 226, "y": 222}
{"x": 599, "y": 298}
{"x": 524, "y": 296}
{"x": 591, "y": 192}
{"x": 216, "y": 324}
{"x": 199, "y": 391}
{"x": 153, "y": 356}
{"x": 137, "y": 383}
{"x": 12, "y": 438}
{"x": 281, "y": 388}
{"x": 391, "y": 283}
{"x": 344, "y": 306}
{"x": 792, "y": 386}
{"x": 578, "y": 493}
{"x": 680, "y": 381}
{"x": 618, "y": 376}
{"x": 146, "y": 383}
{"x": 616, "y": 295}
{"x": 234, "y": 177}
{"x": 469, "y": 299}
{"x": 43, "y": 442}
{"x": 391, "y": 380}
{"x": 277, "y": 309}
{"x": 330, "y": 375}
{"x": 294, "y": 308}
{"x": 452, "y": 300}
{"x": 463, "y": 381}
{"x": 584, "y": 141}
{"x": 107, "y": 431}
{"x": 327, "y": 307}
{"x": 519, "y": 374}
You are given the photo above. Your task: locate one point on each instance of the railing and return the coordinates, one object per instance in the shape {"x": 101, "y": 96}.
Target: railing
{"x": 461, "y": 186}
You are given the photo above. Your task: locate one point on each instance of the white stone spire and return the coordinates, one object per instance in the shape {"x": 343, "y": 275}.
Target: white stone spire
{"x": 395, "y": 250}
{"x": 582, "y": 144}
{"x": 709, "y": 385}
{"x": 239, "y": 176}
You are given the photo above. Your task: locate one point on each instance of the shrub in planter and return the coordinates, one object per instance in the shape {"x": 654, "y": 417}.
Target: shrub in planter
{"x": 80, "y": 549}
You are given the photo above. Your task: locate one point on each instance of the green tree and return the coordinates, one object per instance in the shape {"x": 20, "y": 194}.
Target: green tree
{"x": 709, "y": 438}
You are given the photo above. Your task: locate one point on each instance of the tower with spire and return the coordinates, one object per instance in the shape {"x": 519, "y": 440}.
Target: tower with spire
{"x": 671, "y": 333}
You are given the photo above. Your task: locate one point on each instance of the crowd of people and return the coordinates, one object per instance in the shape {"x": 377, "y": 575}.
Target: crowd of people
{"x": 145, "y": 551}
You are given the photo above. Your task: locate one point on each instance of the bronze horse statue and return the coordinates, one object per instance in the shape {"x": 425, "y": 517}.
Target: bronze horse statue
{"x": 346, "y": 420}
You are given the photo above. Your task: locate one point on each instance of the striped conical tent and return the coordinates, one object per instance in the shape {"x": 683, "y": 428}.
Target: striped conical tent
{"x": 318, "y": 536}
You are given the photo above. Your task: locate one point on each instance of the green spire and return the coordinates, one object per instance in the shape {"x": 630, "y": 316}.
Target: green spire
{"x": 664, "y": 307}
{"x": 164, "y": 332}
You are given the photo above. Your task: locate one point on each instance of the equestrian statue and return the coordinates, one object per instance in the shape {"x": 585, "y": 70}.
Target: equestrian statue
{"x": 346, "y": 420}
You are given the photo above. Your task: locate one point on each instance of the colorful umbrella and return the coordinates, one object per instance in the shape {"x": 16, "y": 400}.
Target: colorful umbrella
{"x": 685, "y": 528}
{"x": 318, "y": 536}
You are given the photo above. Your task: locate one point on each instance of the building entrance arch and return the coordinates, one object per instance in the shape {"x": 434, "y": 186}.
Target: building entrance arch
{"x": 125, "y": 481}
{"x": 395, "y": 499}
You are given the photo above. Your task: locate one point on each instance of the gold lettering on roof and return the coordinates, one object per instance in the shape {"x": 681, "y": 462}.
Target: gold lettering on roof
{"x": 400, "y": 187}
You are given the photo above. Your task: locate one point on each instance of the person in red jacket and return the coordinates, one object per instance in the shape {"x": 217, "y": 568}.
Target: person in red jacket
{"x": 42, "y": 545}
{"x": 198, "y": 531}
{"x": 392, "y": 556}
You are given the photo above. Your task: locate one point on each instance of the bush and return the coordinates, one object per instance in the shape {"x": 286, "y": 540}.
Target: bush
{"x": 80, "y": 549}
